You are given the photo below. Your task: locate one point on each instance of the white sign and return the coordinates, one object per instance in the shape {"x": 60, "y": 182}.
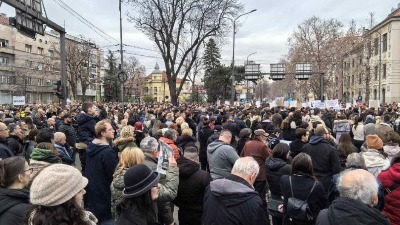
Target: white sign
{"x": 227, "y": 102}
{"x": 18, "y": 100}
{"x": 332, "y": 103}
{"x": 304, "y": 104}
{"x": 258, "y": 104}
{"x": 374, "y": 103}
{"x": 293, "y": 104}
{"x": 163, "y": 160}
{"x": 313, "y": 104}
{"x": 348, "y": 105}
{"x": 320, "y": 105}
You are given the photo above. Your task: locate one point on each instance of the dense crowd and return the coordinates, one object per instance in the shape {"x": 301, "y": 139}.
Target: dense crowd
{"x": 102, "y": 163}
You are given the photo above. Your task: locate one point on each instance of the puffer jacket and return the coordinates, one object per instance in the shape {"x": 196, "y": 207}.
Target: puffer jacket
{"x": 276, "y": 168}
{"x": 392, "y": 201}
{"x": 14, "y": 204}
{"x": 86, "y": 124}
{"x": 375, "y": 161}
{"x": 122, "y": 143}
{"x": 391, "y": 150}
{"x": 340, "y": 127}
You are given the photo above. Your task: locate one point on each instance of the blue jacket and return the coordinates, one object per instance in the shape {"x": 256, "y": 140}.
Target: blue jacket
{"x": 101, "y": 162}
{"x": 86, "y": 124}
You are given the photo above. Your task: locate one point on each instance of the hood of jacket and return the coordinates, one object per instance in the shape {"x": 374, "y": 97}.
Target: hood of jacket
{"x": 82, "y": 118}
{"x": 274, "y": 164}
{"x": 187, "y": 167}
{"x": 230, "y": 192}
{"x": 373, "y": 158}
{"x": 167, "y": 140}
{"x": 215, "y": 145}
{"x": 123, "y": 141}
{"x": 391, "y": 150}
{"x": 45, "y": 155}
{"x": 354, "y": 212}
{"x": 316, "y": 139}
{"x": 12, "y": 197}
{"x": 96, "y": 147}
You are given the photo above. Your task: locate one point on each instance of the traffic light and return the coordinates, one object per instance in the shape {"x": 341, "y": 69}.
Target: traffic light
{"x": 59, "y": 89}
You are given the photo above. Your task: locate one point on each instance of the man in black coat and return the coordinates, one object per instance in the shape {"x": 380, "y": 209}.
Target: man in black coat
{"x": 358, "y": 191}
{"x": 325, "y": 157}
{"x": 233, "y": 200}
{"x": 204, "y": 133}
{"x": 5, "y": 151}
{"x": 15, "y": 139}
{"x": 192, "y": 185}
{"x": 70, "y": 133}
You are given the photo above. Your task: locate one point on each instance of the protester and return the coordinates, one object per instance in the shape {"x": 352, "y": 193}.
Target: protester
{"x": 56, "y": 194}
{"x": 204, "y": 133}
{"x": 233, "y": 200}
{"x": 15, "y": 141}
{"x": 358, "y": 132}
{"x": 14, "y": 195}
{"x": 43, "y": 155}
{"x": 126, "y": 138}
{"x": 375, "y": 159}
{"x": 345, "y": 148}
{"x": 5, "y": 151}
{"x": 391, "y": 147}
{"x": 296, "y": 146}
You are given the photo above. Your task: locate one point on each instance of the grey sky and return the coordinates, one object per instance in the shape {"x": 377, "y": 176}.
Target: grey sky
{"x": 265, "y": 31}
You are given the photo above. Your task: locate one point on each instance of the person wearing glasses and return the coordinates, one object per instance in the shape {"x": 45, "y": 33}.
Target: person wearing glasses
{"x": 14, "y": 197}
{"x": 5, "y": 151}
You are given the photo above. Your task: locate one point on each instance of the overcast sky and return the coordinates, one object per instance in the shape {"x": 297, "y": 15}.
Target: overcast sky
{"x": 265, "y": 31}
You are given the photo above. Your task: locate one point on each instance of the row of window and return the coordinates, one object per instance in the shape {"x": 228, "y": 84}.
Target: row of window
{"x": 5, "y": 79}
{"x": 376, "y": 75}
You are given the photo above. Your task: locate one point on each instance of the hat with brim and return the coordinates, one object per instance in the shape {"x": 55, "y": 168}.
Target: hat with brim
{"x": 138, "y": 180}
{"x": 260, "y": 132}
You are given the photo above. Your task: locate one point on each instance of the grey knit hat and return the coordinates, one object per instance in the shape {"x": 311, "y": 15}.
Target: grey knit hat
{"x": 56, "y": 184}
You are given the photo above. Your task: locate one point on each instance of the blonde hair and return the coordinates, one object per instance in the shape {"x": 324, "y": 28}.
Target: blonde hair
{"x": 129, "y": 157}
{"x": 124, "y": 122}
{"x": 179, "y": 121}
{"x": 187, "y": 131}
{"x": 184, "y": 125}
{"x": 127, "y": 131}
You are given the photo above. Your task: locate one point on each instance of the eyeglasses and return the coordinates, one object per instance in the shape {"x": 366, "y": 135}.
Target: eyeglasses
{"x": 30, "y": 169}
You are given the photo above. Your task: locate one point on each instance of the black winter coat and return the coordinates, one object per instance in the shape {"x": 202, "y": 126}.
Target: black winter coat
{"x": 325, "y": 159}
{"x": 101, "y": 162}
{"x": 295, "y": 147}
{"x": 14, "y": 205}
{"x": 69, "y": 132}
{"x": 302, "y": 185}
{"x": 5, "y": 151}
{"x": 276, "y": 168}
{"x": 350, "y": 211}
{"x": 203, "y": 135}
{"x": 186, "y": 141}
{"x": 232, "y": 201}
{"x": 15, "y": 144}
{"x": 192, "y": 185}
{"x": 86, "y": 124}
{"x": 191, "y": 123}
{"x": 132, "y": 217}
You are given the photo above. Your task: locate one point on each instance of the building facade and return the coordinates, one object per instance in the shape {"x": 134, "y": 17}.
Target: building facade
{"x": 371, "y": 69}
{"x": 156, "y": 85}
{"x": 30, "y": 67}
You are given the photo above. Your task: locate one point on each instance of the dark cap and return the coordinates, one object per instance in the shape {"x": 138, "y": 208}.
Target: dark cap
{"x": 67, "y": 115}
{"x": 138, "y": 180}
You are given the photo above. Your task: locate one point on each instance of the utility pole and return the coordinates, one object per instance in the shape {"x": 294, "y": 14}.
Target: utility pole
{"x": 121, "y": 50}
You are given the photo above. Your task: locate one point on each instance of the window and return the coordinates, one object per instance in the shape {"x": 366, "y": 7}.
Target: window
{"x": 369, "y": 48}
{"x": 352, "y": 79}
{"x": 376, "y": 46}
{"x": 40, "y": 66}
{"x": 6, "y": 79}
{"x": 41, "y": 82}
{"x": 384, "y": 42}
{"x": 384, "y": 71}
{"x": 4, "y": 61}
{"x": 344, "y": 65}
{"x": 28, "y": 63}
{"x": 376, "y": 72}
{"x": 51, "y": 53}
{"x": 40, "y": 51}
{"x": 3, "y": 43}
{"x": 28, "y": 80}
{"x": 28, "y": 48}
{"x": 353, "y": 63}
{"x": 360, "y": 60}
{"x": 360, "y": 78}
{"x": 155, "y": 91}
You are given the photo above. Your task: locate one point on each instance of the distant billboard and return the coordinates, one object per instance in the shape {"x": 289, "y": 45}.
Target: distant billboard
{"x": 26, "y": 23}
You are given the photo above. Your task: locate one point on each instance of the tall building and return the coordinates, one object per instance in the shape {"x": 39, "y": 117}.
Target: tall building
{"x": 30, "y": 67}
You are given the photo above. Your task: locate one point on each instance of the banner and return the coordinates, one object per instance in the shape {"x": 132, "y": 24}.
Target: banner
{"x": 258, "y": 104}
{"x": 320, "y": 105}
{"x": 293, "y": 104}
{"x": 18, "y": 100}
{"x": 374, "y": 103}
{"x": 332, "y": 103}
{"x": 227, "y": 102}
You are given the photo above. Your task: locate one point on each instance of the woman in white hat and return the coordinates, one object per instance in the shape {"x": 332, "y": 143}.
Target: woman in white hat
{"x": 56, "y": 195}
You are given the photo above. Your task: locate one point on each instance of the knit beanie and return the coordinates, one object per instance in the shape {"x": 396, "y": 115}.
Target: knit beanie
{"x": 56, "y": 184}
{"x": 374, "y": 142}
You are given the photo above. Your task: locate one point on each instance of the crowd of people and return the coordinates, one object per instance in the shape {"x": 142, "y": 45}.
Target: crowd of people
{"x": 100, "y": 163}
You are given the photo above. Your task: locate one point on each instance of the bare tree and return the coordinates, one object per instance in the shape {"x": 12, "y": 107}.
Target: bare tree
{"x": 179, "y": 28}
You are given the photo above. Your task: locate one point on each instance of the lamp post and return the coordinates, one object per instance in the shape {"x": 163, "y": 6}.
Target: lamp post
{"x": 233, "y": 92}
{"x": 379, "y": 67}
{"x": 121, "y": 50}
{"x": 248, "y": 90}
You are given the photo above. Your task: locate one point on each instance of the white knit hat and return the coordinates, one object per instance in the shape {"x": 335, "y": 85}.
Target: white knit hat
{"x": 56, "y": 184}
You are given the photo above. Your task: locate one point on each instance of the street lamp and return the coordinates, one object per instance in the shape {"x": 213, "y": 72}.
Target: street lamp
{"x": 248, "y": 90}
{"x": 233, "y": 92}
{"x": 379, "y": 66}
{"x": 247, "y": 62}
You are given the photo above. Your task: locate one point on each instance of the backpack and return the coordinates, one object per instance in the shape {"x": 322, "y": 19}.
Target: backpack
{"x": 297, "y": 209}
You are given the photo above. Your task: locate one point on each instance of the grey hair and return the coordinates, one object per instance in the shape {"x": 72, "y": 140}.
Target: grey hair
{"x": 58, "y": 136}
{"x": 364, "y": 187}
{"x": 246, "y": 166}
{"x": 149, "y": 144}
{"x": 170, "y": 133}
{"x": 355, "y": 159}
{"x": 226, "y": 133}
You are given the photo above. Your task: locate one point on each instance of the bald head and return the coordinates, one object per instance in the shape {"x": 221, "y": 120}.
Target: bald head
{"x": 246, "y": 168}
{"x": 4, "y": 133}
{"x": 359, "y": 185}
{"x": 59, "y": 138}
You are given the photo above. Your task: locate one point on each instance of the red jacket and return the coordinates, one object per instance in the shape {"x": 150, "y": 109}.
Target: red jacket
{"x": 172, "y": 145}
{"x": 392, "y": 200}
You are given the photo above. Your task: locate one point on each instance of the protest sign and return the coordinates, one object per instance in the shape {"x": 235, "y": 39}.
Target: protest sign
{"x": 163, "y": 160}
